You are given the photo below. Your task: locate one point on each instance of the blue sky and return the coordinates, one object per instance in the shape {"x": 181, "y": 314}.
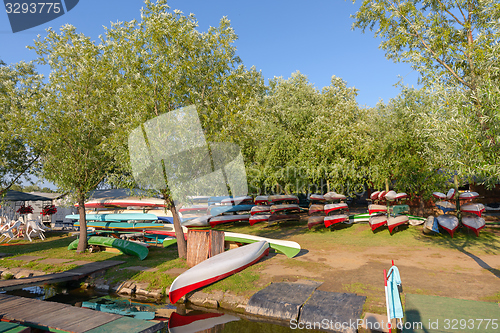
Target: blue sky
{"x": 277, "y": 37}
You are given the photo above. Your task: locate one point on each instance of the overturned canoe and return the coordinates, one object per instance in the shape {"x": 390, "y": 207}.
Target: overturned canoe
{"x": 127, "y": 247}
{"x": 115, "y": 217}
{"x": 468, "y": 195}
{"x": 439, "y": 195}
{"x": 316, "y": 209}
{"x": 377, "y": 221}
{"x": 474, "y": 223}
{"x": 200, "y": 221}
{"x": 315, "y": 220}
{"x": 193, "y": 209}
{"x": 445, "y": 206}
{"x": 261, "y": 200}
{"x": 284, "y": 208}
{"x": 450, "y": 194}
{"x": 260, "y": 209}
{"x": 229, "y": 219}
{"x": 336, "y": 207}
{"x": 242, "y": 200}
{"x": 334, "y": 196}
{"x": 272, "y": 199}
{"x": 376, "y": 209}
{"x": 474, "y": 208}
{"x": 393, "y": 222}
{"x": 227, "y": 209}
{"x": 374, "y": 195}
{"x": 257, "y": 218}
{"x": 217, "y": 268}
{"x": 335, "y": 219}
{"x": 317, "y": 198}
{"x": 448, "y": 223}
{"x": 430, "y": 226}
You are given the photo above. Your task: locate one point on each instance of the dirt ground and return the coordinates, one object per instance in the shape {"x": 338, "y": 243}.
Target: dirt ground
{"x": 452, "y": 270}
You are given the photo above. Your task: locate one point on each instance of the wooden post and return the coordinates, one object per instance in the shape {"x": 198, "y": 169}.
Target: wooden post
{"x": 203, "y": 244}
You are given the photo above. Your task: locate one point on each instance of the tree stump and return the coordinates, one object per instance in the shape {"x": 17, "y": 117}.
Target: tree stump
{"x": 203, "y": 244}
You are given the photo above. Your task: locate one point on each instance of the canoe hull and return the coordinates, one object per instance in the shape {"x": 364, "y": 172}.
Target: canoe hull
{"x": 125, "y": 246}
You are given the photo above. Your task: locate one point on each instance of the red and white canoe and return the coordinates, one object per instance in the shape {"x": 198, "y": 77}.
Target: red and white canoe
{"x": 258, "y": 218}
{"x": 317, "y": 197}
{"x": 261, "y": 209}
{"x": 474, "y": 208}
{"x": 261, "y": 200}
{"x": 217, "y": 268}
{"x": 272, "y": 199}
{"x": 198, "y": 322}
{"x": 285, "y": 208}
{"x": 242, "y": 200}
{"x": 334, "y": 219}
{"x": 376, "y": 209}
{"x": 374, "y": 195}
{"x": 391, "y": 195}
{"x": 474, "y": 223}
{"x": 334, "y": 196}
{"x": 314, "y": 220}
{"x": 381, "y": 195}
{"x": 377, "y": 221}
{"x": 221, "y": 219}
{"x": 450, "y": 194}
{"x": 336, "y": 207}
{"x": 468, "y": 195}
{"x": 448, "y": 223}
{"x": 393, "y": 222}
{"x": 439, "y": 195}
{"x": 124, "y": 203}
{"x": 316, "y": 209}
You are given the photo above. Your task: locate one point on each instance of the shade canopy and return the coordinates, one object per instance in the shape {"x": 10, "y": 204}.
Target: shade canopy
{"x": 12, "y": 195}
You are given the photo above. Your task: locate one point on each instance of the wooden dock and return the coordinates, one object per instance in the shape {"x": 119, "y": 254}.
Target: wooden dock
{"x": 56, "y": 317}
{"x": 72, "y": 274}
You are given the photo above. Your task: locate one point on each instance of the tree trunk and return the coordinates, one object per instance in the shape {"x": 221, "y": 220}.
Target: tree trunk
{"x": 179, "y": 234}
{"x": 82, "y": 244}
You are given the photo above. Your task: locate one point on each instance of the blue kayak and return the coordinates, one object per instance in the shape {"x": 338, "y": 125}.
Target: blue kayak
{"x": 221, "y": 209}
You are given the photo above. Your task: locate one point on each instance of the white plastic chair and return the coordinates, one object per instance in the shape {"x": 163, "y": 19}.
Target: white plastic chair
{"x": 9, "y": 232}
{"x": 32, "y": 229}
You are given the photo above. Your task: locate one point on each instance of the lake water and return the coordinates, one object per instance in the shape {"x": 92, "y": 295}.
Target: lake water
{"x": 188, "y": 319}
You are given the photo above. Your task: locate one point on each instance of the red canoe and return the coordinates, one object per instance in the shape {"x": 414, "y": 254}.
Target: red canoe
{"x": 334, "y": 219}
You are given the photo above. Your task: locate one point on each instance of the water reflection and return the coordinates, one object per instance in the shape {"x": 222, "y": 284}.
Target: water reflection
{"x": 179, "y": 319}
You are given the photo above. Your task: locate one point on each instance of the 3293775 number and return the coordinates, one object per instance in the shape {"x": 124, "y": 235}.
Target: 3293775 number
{"x": 32, "y": 7}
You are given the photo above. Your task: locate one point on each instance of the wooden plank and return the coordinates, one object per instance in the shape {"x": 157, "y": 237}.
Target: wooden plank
{"x": 126, "y": 324}
{"x": 77, "y": 319}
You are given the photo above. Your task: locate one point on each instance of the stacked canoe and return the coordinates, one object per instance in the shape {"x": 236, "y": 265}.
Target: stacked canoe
{"x": 469, "y": 212}
{"x": 275, "y": 208}
{"x": 387, "y": 209}
{"x": 230, "y": 210}
{"x": 329, "y": 209}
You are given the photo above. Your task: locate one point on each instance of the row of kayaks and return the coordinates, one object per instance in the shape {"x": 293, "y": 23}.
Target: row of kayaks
{"x": 450, "y": 223}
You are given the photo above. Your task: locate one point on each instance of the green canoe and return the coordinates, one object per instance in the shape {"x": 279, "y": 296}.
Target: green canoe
{"x": 125, "y": 246}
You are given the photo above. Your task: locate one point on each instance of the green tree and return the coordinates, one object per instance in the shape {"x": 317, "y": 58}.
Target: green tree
{"x": 162, "y": 62}
{"x": 76, "y": 117}
{"x": 19, "y": 89}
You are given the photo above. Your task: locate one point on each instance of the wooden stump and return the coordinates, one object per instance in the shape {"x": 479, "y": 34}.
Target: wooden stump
{"x": 203, "y": 244}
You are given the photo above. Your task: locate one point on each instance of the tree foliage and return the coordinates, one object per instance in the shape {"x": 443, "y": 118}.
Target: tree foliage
{"x": 19, "y": 90}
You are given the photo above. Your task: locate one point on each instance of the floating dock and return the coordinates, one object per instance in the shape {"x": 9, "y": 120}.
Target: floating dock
{"x": 57, "y": 317}
{"x": 72, "y": 274}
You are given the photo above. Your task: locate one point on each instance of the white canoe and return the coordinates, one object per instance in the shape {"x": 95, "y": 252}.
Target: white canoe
{"x": 193, "y": 209}
{"x": 285, "y": 208}
{"x": 430, "y": 226}
{"x": 381, "y": 195}
{"x": 124, "y": 203}
{"x": 261, "y": 200}
{"x": 221, "y": 219}
{"x": 474, "y": 223}
{"x": 376, "y": 209}
{"x": 393, "y": 222}
{"x": 474, "y": 208}
{"x": 316, "y": 209}
{"x": 260, "y": 209}
{"x": 201, "y": 221}
{"x": 450, "y": 194}
{"x": 445, "y": 206}
{"x": 259, "y": 218}
{"x": 439, "y": 195}
{"x": 272, "y": 199}
{"x": 468, "y": 195}
{"x": 317, "y": 197}
{"x": 374, "y": 195}
{"x": 288, "y": 248}
{"x": 334, "y": 219}
{"x": 376, "y": 221}
{"x": 391, "y": 195}
{"x": 314, "y": 220}
{"x": 198, "y": 322}
{"x": 333, "y": 196}
{"x": 217, "y": 268}
{"x": 448, "y": 223}
{"x": 335, "y": 207}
